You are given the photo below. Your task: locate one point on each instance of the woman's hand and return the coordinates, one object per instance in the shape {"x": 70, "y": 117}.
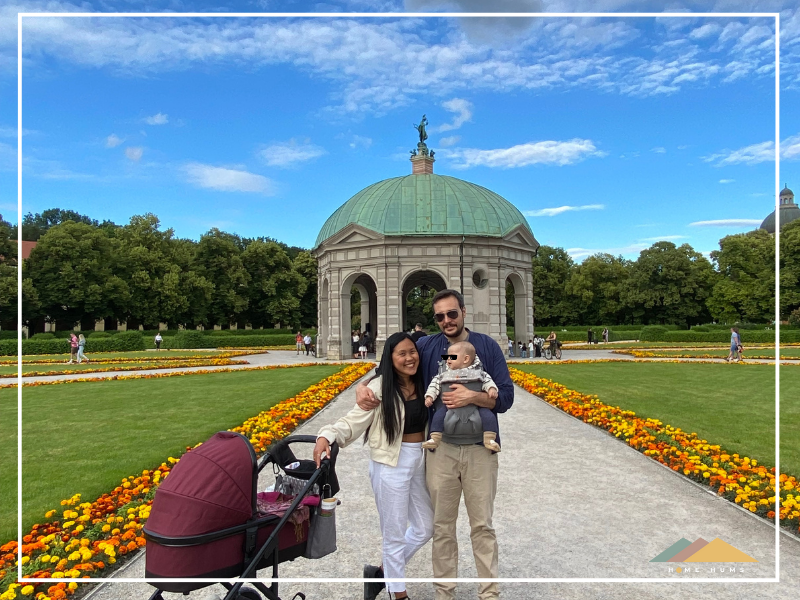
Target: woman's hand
{"x": 322, "y": 448}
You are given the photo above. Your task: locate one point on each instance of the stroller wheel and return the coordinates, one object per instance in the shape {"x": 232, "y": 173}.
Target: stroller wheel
{"x": 248, "y": 593}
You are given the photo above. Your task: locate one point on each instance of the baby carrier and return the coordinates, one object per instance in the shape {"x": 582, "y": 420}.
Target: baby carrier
{"x": 209, "y": 522}
{"x": 462, "y": 425}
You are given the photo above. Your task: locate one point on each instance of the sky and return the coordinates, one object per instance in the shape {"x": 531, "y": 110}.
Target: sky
{"x": 609, "y": 134}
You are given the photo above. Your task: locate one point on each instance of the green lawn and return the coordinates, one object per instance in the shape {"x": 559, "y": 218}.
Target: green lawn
{"x": 84, "y": 437}
{"x": 729, "y": 405}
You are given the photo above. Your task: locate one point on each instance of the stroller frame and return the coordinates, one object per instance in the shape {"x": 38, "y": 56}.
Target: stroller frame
{"x": 252, "y": 556}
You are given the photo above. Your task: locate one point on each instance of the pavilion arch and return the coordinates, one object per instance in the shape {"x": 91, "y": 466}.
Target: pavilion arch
{"x": 367, "y": 289}
{"x": 428, "y": 277}
{"x": 523, "y": 309}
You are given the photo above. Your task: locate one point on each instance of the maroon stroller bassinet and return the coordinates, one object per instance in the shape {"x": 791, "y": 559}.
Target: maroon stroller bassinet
{"x": 205, "y": 523}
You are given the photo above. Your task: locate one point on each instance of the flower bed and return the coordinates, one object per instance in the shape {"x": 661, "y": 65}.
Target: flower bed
{"x": 736, "y": 478}
{"x": 155, "y": 357}
{"x": 87, "y": 537}
{"x": 208, "y": 362}
{"x": 644, "y": 354}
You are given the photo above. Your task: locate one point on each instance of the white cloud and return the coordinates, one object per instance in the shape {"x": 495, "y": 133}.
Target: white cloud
{"x": 658, "y": 150}
{"x": 663, "y": 238}
{"x": 113, "y": 141}
{"x": 727, "y": 223}
{"x": 463, "y": 110}
{"x": 134, "y": 153}
{"x": 534, "y": 153}
{"x": 704, "y": 31}
{"x": 452, "y": 140}
{"x": 749, "y": 155}
{"x": 727, "y": 180}
{"x": 11, "y": 132}
{"x": 577, "y": 253}
{"x": 552, "y": 212}
{"x": 291, "y": 153}
{"x": 227, "y": 180}
{"x": 360, "y": 141}
{"x": 790, "y": 148}
{"x": 157, "y": 119}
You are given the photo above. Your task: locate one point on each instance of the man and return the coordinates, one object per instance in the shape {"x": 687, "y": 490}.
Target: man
{"x": 468, "y": 468}
{"x": 307, "y": 342}
{"x": 418, "y": 333}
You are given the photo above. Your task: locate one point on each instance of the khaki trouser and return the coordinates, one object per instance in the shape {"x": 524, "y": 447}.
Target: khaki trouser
{"x": 450, "y": 470}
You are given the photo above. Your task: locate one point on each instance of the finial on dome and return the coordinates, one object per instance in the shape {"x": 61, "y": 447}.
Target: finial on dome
{"x": 421, "y": 159}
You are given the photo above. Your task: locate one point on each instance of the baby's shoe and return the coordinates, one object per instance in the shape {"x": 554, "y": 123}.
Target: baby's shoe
{"x": 489, "y": 441}
{"x": 433, "y": 443}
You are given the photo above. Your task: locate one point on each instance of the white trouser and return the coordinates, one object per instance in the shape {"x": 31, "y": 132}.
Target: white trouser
{"x": 404, "y": 507}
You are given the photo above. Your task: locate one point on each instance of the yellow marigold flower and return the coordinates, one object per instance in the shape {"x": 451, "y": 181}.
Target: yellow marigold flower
{"x": 106, "y": 528}
{"x": 44, "y": 558}
{"x": 58, "y": 575}
{"x": 75, "y": 556}
{"x": 49, "y": 513}
{"x": 72, "y": 585}
{"x": 27, "y": 590}
{"x": 69, "y": 524}
{"x": 79, "y": 528}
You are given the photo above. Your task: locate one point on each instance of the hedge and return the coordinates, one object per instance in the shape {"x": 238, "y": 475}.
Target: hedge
{"x": 124, "y": 341}
{"x": 788, "y": 336}
{"x": 196, "y": 339}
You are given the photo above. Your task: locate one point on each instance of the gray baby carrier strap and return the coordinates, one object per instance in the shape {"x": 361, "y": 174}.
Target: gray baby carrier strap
{"x": 462, "y": 425}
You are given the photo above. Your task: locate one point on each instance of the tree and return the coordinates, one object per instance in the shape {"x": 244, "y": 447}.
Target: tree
{"x": 8, "y": 276}
{"x": 597, "y": 285}
{"x": 669, "y": 285}
{"x": 745, "y": 290}
{"x": 75, "y": 271}
{"x": 36, "y": 225}
{"x": 790, "y": 269}
{"x": 219, "y": 261}
{"x": 552, "y": 268}
{"x": 275, "y": 288}
{"x": 306, "y": 267}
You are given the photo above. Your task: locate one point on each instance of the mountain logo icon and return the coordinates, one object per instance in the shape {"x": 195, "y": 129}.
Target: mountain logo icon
{"x": 701, "y": 551}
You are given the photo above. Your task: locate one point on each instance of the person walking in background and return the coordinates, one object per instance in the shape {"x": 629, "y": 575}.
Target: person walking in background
{"x": 521, "y": 347}
{"x": 735, "y": 345}
{"x": 73, "y": 348}
{"x": 418, "y": 333}
{"x": 530, "y": 349}
{"x": 158, "y": 340}
{"x": 605, "y": 335}
{"x": 81, "y": 346}
{"x": 356, "y": 338}
{"x": 298, "y": 339}
{"x": 307, "y": 343}
{"x": 590, "y": 335}
{"x": 510, "y": 348}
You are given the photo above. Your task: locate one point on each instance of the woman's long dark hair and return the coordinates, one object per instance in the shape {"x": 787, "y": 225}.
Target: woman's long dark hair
{"x": 391, "y": 395}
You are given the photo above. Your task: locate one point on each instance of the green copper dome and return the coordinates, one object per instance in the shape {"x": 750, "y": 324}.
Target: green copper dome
{"x": 426, "y": 205}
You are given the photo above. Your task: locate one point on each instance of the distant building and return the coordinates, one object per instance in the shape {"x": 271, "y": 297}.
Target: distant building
{"x": 789, "y": 211}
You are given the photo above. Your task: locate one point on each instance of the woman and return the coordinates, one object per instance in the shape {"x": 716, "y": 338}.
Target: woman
{"x": 356, "y": 339}
{"x": 552, "y": 338}
{"x": 73, "y": 348}
{"x": 81, "y": 346}
{"x": 394, "y": 432}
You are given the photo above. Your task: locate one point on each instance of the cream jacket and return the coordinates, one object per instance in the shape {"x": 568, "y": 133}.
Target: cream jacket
{"x": 353, "y": 425}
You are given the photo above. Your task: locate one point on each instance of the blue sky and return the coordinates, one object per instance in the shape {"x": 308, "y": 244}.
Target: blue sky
{"x": 609, "y": 134}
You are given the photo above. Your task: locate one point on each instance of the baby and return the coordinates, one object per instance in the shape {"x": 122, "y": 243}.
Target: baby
{"x": 462, "y": 355}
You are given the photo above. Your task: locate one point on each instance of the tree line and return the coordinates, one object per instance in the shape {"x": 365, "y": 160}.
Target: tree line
{"x": 83, "y": 270}
{"x": 671, "y": 285}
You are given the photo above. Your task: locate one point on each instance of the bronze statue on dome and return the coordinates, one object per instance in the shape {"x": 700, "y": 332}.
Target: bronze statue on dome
{"x": 423, "y": 135}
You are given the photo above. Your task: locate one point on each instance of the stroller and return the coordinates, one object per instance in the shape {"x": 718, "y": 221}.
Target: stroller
{"x": 208, "y": 521}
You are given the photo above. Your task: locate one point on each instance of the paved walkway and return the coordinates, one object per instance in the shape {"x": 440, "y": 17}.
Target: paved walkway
{"x": 573, "y": 502}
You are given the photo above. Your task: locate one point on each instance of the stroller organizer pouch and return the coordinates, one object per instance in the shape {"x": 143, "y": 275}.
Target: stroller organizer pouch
{"x": 462, "y": 425}
{"x": 209, "y": 521}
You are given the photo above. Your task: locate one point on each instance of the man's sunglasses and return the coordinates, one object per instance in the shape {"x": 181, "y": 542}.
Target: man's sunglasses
{"x": 450, "y": 314}
{"x": 450, "y": 356}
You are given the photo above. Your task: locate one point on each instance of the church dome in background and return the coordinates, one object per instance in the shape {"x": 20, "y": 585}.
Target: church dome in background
{"x": 789, "y": 211}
